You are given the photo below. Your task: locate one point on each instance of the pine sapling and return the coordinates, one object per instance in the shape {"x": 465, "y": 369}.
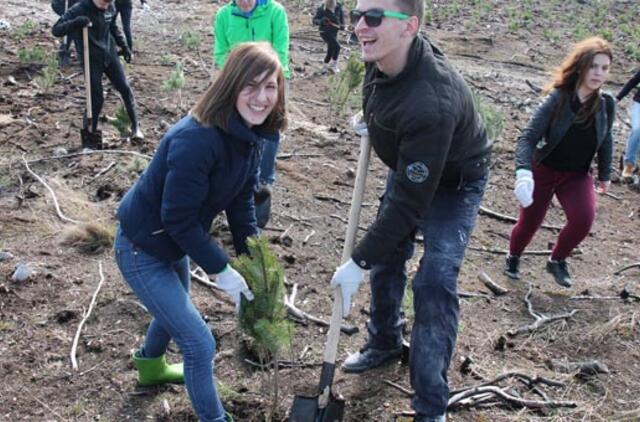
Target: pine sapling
{"x": 344, "y": 84}
{"x": 265, "y": 318}
{"x": 175, "y": 82}
{"x": 121, "y": 121}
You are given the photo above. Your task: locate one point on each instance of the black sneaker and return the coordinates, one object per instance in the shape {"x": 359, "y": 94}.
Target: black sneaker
{"x": 369, "y": 358}
{"x": 512, "y": 267}
{"x": 560, "y": 272}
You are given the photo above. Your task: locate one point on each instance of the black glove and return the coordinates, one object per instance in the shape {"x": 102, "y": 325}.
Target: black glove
{"x": 126, "y": 54}
{"x": 81, "y": 21}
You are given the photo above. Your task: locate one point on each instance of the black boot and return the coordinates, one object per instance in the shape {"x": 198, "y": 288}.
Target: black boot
{"x": 512, "y": 267}
{"x": 560, "y": 272}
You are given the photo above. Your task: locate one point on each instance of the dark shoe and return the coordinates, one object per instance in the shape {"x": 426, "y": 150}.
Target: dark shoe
{"x": 369, "y": 358}
{"x": 422, "y": 418}
{"x": 560, "y": 272}
{"x": 512, "y": 267}
{"x": 262, "y": 198}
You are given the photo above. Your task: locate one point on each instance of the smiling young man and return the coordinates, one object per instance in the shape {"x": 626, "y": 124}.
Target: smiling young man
{"x": 423, "y": 125}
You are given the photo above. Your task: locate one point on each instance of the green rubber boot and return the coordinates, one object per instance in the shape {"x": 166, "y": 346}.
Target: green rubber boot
{"x": 153, "y": 371}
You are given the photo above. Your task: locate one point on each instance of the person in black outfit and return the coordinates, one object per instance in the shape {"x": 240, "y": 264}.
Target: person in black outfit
{"x": 124, "y": 8}
{"x": 103, "y": 36}
{"x": 64, "y": 53}
{"x": 330, "y": 18}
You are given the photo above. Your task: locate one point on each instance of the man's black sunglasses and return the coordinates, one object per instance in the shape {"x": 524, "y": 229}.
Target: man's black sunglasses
{"x": 373, "y": 17}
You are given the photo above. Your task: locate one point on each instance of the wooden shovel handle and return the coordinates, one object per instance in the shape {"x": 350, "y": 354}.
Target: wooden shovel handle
{"x": 331, "y": 347}
{"x": 87, "y": 76}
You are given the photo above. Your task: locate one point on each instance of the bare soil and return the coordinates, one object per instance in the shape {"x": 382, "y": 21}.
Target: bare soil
{"x": 501, "y": 60}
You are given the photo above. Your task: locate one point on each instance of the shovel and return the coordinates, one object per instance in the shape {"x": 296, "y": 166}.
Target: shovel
{"x": 325, "y": 407}
{"x": 90, "y": 139}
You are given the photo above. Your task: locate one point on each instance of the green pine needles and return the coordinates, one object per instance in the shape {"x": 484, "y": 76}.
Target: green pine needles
{"x": 121, "y": 122}
{"x": 265, "y": 318}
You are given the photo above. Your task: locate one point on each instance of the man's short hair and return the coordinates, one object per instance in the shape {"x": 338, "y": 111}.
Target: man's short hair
{"x": 412, "y": 8}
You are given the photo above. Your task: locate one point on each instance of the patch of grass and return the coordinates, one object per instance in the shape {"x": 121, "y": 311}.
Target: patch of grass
{"x": 492, "y": 117}
{"x": 190, "y": 39}
{"x": 24, "y": 29}
{"x": 47, "y": 77}
{"x": 226, "y": 392}
{"x": 6, "y": 326}
{"x": 33, "y": 54}
{"x": 90, "y": 238}
{"x": 166, "y": 60}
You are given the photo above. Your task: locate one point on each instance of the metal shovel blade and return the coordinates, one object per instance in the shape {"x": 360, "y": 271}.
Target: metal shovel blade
{"x": 305, "y": 409}
{"x": 92, "y": 140}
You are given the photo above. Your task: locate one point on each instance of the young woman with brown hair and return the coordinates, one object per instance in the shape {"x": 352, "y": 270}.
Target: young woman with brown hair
{"x": 554, "y": 154}
{"x": 205, "y": 164}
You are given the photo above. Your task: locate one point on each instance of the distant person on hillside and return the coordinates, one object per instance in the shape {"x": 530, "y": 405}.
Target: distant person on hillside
{"x": 554, "y": 154}
{"x": 64, "y": 51}
{"x": 423, "y": 125}
{"x": 104, "y": 34}
{"x": 330, "y": 18}
{"x": 630, "y": 160}
{"x": 255, "y": 20}
{"x": 124, "y": 8}
{"x": 205, "y": 164}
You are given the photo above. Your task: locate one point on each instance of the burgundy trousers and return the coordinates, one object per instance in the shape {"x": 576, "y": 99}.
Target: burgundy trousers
{"x": 576, "y": 194}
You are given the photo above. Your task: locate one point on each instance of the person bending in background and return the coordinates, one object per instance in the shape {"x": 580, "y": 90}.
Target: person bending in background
{"x": 124, "y": 8}
{"x": 104, "y": 34}
{"x": 255, "y": 20}
{"x": 554, "y": 154}
{"x": 330, "y": 18}
{"x": 633, "y": 143}
{"x": 205, "y": 164}
{"x": 64, "y": 51}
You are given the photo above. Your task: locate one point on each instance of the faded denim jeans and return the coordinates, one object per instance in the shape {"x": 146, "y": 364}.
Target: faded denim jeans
{"x": 631, "y": 152}
{"x": 163, "y": 287}
{"x": 446, "y": 230}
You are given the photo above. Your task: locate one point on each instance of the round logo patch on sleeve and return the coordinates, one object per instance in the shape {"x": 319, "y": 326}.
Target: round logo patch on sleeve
{"x": 417, "y": 172}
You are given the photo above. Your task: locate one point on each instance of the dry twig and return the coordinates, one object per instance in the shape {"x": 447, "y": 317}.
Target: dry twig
{"x": 74, "y": 346}
{"x": 507, "y": 218}
{"x": 300, "y": 315}
{"x": 627, "y": 267}
{"x": 540, "y": 319}
{"x": 491, "y": 285}
{"x": 53, "y": 195}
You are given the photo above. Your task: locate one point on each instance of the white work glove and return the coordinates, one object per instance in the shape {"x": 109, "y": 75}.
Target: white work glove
{"x": 233, "y": 284}
{"x": 524, "y": 187}
{"x": 348, "y": 277}
{"x": 358, "y": 124}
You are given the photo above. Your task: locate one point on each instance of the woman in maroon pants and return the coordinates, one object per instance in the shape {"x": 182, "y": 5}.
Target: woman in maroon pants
{"x": 555, "y": 151}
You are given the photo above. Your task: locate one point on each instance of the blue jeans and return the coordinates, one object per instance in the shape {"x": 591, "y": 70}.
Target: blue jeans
{"x": 631, "y": 153}
{"x": 163, "y": 287}
{"x": 267, "y": 168}
{"x": 446, "y": 230}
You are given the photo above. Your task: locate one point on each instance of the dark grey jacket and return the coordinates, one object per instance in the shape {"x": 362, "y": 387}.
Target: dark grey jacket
{"x": 540, "y": 137}
{"x": 424, "y": 126}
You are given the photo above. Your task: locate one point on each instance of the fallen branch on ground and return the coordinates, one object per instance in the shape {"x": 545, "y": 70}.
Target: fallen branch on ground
{"x": 623, "y": 295}
{"x": 284, "y": 364}
{"x": 53, "y": 195}
{"x": 102, "y": 151}
{"x": 300, "y": 315}
{"x": 540, "y": 319}
{"x": 627, "y": 267}
{"x": 491, "y": 285}
{"x": 507, "y": 218}
{"x": 100, "y": 173}
{"x": 74, "y": 346}
{"x": 468, "y": 295}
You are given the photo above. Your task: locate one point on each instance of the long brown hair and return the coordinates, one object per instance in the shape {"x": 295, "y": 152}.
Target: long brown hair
{"x": 568, "y": 77}
{"x": 245, "y": 64}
